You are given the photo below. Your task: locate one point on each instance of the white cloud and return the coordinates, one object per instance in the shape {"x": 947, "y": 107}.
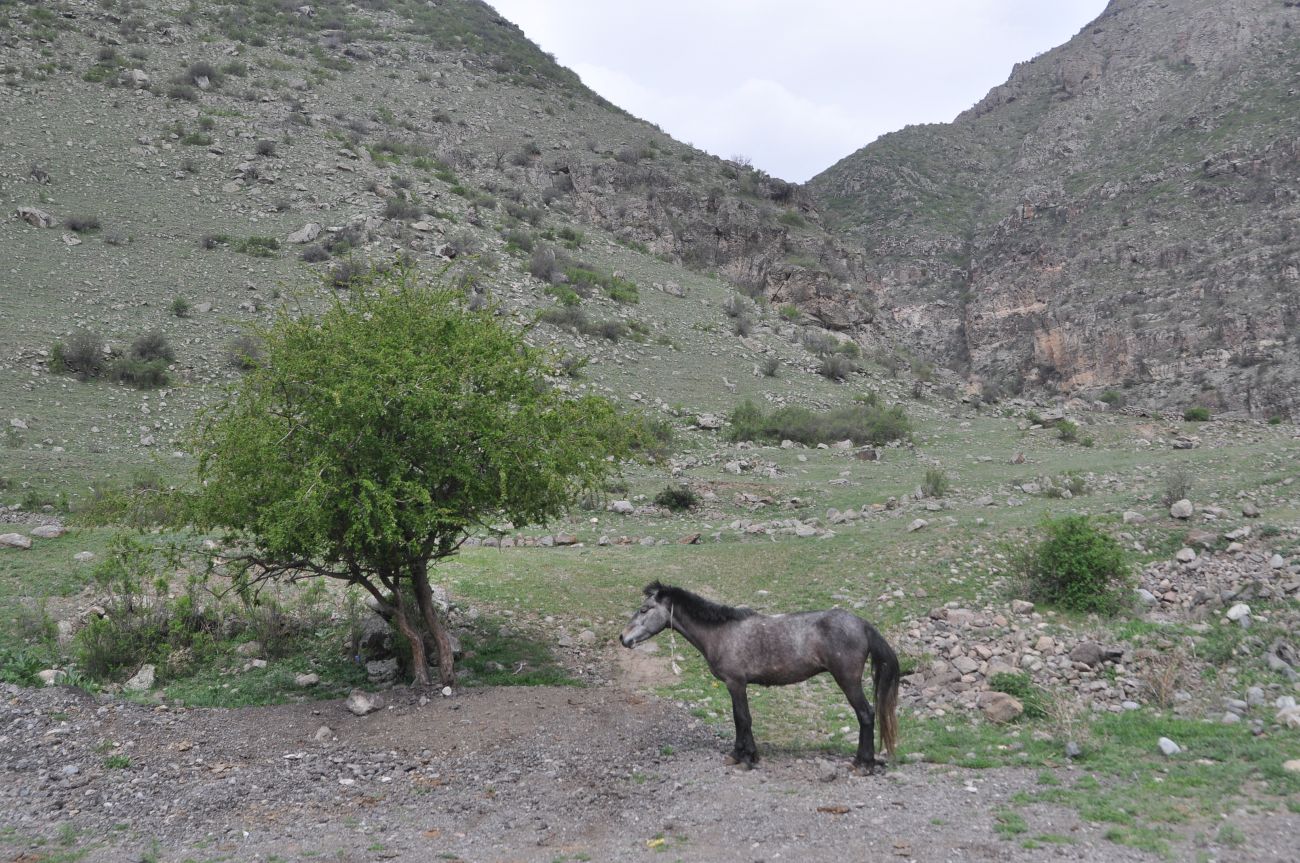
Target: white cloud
{"x": 796, "y": 86}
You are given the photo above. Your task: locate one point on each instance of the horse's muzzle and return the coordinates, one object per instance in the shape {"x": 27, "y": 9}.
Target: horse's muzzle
{"x": 626, "y": 642}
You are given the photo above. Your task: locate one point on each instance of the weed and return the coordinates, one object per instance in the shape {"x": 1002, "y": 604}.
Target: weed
{"x": 1196, "y": 414}
{"x": 677, "y": 498}
{"x": 935, "y": 483}
{"x": 1077, "y": 566}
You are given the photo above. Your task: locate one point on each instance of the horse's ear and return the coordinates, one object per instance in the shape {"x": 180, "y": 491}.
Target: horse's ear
{"x": 653, "y": 588}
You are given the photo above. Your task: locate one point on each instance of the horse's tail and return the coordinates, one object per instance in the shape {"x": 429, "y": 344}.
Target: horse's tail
{"x": 884, "y": 671}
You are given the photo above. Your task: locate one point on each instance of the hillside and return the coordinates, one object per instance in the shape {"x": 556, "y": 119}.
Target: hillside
{"x": 186, "y": 172}
{"x": 1117, "y": 216}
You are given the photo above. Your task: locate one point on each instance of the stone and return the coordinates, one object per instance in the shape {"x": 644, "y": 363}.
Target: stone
{"x": 622, "y": 507}
{"x": 709, "y": 421}
{"x": 49, "y": 531}
{"x": 916, "y": 525}
{"x": 37, "y": 218}
{"x": 1181, "y": 509}
{"x": 1088, "y": 652}
{"x": 305, "y": 234}
{"x": 1185, "y": 555}
{"x": 1274, "y": 562}
{"x": 382, "y": 671}
{"x": 1292, "y": 766}
{"x": 1238, "y": 612}
{"x": 361, "y": 703}
{"x": 1289, "y": 717}
{"x": 1229, "y": 718}
{"x": 827, "y": 772}
{"x": 142, "y": 681}
{"x": 14, "y": 540}
{"x": 565, "y": 539}
{"x": 1072, "y": 750}
{"x": 51, "y": 676}
{"x": 136, "y": 79}
{"x": 1045, "y": 644}
{"x": 305, "y": 680}
{"x": 1249, "y": 510}
{"x": 1168, "y": 747}
{"x": 965, "y": 665}
{"x": 1022, "y": 607}
{"x": 324, "y": 734}
{"x": 999, "y": 707}
{"x": 1201, "y": 539}
{"x": 1145, "y": 596}
{"x": 249, "y": 648}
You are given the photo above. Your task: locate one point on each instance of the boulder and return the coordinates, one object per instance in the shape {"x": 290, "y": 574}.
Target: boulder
{"x": 306, "y": 234}
{"x": 916, "y": 525}
{"x": 622, "y": 507}
{"x": 1168, "y": 747}
{"x": 35, "y": 217}
{"x": 999, "y": 707}
{"x": 142, "y": 681}
{"x": 49, "y": 531}
{"x": 1181, "y": 509}
{"x": 360, "y": 703}
{"x": 14, "y": 540}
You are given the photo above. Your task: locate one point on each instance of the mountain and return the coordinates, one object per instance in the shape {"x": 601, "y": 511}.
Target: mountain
{"x": 1119, "y": 215}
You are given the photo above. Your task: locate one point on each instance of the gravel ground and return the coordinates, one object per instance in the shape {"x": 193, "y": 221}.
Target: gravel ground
{"x": 493, "y": 774}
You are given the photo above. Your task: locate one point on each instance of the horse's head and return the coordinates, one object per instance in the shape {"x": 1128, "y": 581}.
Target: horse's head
{"x": 650, "y": 619}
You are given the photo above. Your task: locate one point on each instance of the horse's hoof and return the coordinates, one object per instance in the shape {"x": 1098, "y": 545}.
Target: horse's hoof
{"x": 739, "y": 760}
{"x": 874, "y": 767}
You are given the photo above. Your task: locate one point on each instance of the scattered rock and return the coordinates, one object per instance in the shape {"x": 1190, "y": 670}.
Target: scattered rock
{"x": 1168, "y": 747}
{"x": 142, "y": 681}
{"x": 52, "y": 676}
{"x": 916, "y": 525}
{"x": 324, "y": 734}
{"x": 35, "y": 217}
{"x": 1239, "y": 612}
{"x": 1131, "y": 517}
{"x": 1249, "y": 510}
{"x": 361, "y": 703}
{"x": 49, "y": 531}
{"x": 1181, "y": 509}
{"x": 1185, "y": 555}
{"x": 1021, "y": 606}
{"x": 305, "y": 680}
{"x": 14, "y": 540}
{"x": 622, "y": 507}
{"x": 306, "y": 234}
{"x": 999, "y": 707}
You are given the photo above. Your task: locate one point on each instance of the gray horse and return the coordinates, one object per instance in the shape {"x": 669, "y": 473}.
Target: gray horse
{"x": 744, "y": 647}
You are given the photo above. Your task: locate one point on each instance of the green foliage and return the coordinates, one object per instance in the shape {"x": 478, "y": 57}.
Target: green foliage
{"x": 1078, "y": 567}
{"x": 1196, "y": 414}
{"x": 180, "y": 307}
{"x": 790, "y": 312}
{"x": 1019, "y": 685}
{"x": 935, "y": 483}
{"x": 375, "y": 437}
{"x": 1114, "y": 398}
{"x": 1178, "y": 485}
{"x": 81, "y": 355}
{"x": 859, "y": 422}
{"x": 677, "y": 498}
{"x": 792, "y": 219}
{"x": 1068, "y": 431}
{"x": 258, "y": 247}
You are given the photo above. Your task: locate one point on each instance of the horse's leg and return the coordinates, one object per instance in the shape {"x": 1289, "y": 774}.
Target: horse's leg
{"x": 745, "y": 753}
{"x": 850, "y": 681}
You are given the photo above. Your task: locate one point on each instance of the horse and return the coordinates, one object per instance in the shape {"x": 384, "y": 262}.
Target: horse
{"x": 744, "y": 647}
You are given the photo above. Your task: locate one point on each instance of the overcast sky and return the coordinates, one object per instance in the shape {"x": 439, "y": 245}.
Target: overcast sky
{"x": 795, "y": 85}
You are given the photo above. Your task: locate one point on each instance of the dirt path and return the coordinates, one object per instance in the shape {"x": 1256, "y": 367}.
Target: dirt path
{"x": 528, "y": 774}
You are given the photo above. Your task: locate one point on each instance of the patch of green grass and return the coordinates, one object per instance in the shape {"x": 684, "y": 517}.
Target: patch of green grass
{"x": 1008, "y": 824}
{"x": 118, "y": 762}
{"x": 514, "y": 660}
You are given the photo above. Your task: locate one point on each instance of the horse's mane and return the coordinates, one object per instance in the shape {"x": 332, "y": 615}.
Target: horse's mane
{"x": 695, "y": 606}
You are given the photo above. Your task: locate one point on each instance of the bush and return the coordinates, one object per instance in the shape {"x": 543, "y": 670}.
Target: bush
{"x": 401, "y": 209}
{"x": 818, "y": 342}
{"x": 265, "y": 148}
{"x": 1178, "y": 485}
{"x": 743, "y": 325}
{"x": 82, "y": 355}
{"x": 258, "y": 247}
{"x": 153, "y": 345}
{"x": 314, "y": 254}
{"x": 858, "y": 422}
{"x": 677, "y": 498}
{"x": 790, "y": 312}
{"x": 1077, "y": 567}
{"x": 81, "y": 224}
{"x": 1018, "y": 685}
{"x": 245, "y": 352}
{"x": 1114, "y": 398}
{"x": 770, "y": 367}
{"x": 343, "y": 274}
{"x": 1068, "y": 431}
{"x": 180, "y": 307}
{"x": 1197, "y": 414}
{"x": 543, "y": 265}
{"x": 139, "y": 373}
{"x": 836, "y": 367}
{"x": 935, "y": 483}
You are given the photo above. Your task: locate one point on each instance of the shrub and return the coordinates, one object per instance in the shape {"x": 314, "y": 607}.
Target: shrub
{"x": 743, "y": 325}
{"x": 935, "y": 483}
{"x": 818, "y": 342}
{"x": 737, "y": 306}
{"x": 1068, "y": 431}
{"x": 139, "y": 373}
{"x": 265, "y": 148}
{"x": 82, "y": 355}
{"x": 343, "y": 274}
{"x": 861, "y": 423}
{"x": 315, "y": 253}
{"x": 203, "y": 69}
{"x": 184, "y": 92}
{"x": 770, "y": 367}
{"x": 1197, "y": 414}
{"x": 790, "y": 312}
{"x": 1114, "y": 398}
{"x": 81, "y": 224}
{"x": 401, "y": 209}
{"x": 180, "y": 307}
{"x": 1275, "y": 420}
{"x": 519, "y": 239}
{"x": 1019, "y": 685}
{"x": 836, "y": 367}
{"x": 1178, "y": 485}
{"x": 652, "y": 436}
{"x": 258, "y": 247}
{"x": 1077, "y": 567}
{"x": 542, "y": 264}
{"x": 677, "y": 498}
{"x": 153, "y": 345}
{"x": 245, "y": 352}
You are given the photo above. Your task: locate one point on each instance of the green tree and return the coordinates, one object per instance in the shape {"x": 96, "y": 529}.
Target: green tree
{"x": 373, "y": 439}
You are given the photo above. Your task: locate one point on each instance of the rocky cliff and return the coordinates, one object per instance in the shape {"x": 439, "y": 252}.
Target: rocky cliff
{"x": 1119, "y": 215}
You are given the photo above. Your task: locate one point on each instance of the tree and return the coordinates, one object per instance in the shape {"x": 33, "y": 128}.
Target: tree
{"x": 372, "y": 440}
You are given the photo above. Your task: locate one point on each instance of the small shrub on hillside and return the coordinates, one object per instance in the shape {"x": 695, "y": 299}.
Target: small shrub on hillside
{"x": 257, "y": 247}
{"x": 314, "y": 254}
{"x": 737, "y": 306}
{"x": 543, "y": 265}
{"x": 836, "y": 367}
{"x": 180, "y": 307}
{"x": 1178, "y": 485}
{"x": 1068, "y": 431}
{"x": 935, "y": 483}
{"x": 401, "y": 209}
{"x": 790, "y": 312}
{"x": 345, "y": 273}
{"x": 566, "y": 316}
{"x": 518, "y": 239}
{"x": 183, "y": 92}
{"x": 677, "y": 498}
{"x": 1197, "y": 414}
{"x": 81, "y": 224}
{"x": 153, "y": 345}
{"x": 1114, "y": 398}
{"x": 564, "y": 295}
{"x": 743, "y": 325}
{"x": 265, "y": 148}
{"x": 245, "y": 352}
{"x": 141, "y": 374}
{"x": 818, "y": 342}
{"x": 770, "y": 367}
{"x": 652, "y": 436}
{"x": 1275, "y": 420}
{"x": 82, "y": 354}
{"x": 1078, "y": 567}
{"x": 861, "y": 423}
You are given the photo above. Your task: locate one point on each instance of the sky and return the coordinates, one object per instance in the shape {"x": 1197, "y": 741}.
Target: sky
{"x": 794, "y": 85}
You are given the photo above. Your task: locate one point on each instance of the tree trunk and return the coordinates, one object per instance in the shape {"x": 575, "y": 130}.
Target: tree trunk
{"x": 417, "y": 643}
{"x": 424, "y": 595}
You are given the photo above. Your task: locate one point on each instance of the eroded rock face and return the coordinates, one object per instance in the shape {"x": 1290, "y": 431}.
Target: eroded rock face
{"x": 1099, "y": 219}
